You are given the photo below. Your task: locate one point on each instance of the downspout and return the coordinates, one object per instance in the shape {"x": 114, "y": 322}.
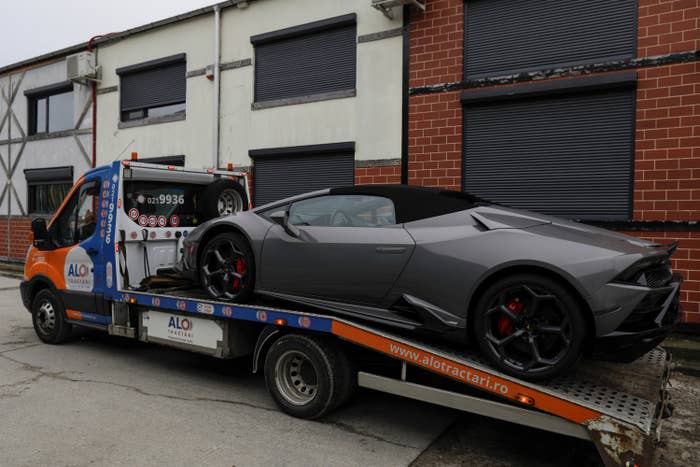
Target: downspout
{"x": 90, "y": 48}
{"x": 404, "y": 95}
{"x": 217, "y": 87}
{"x": 9, "y": 181}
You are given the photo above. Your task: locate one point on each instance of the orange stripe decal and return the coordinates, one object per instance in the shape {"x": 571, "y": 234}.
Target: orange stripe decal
{"x": 74, "y": 314}
{"x": 464, "y": 374}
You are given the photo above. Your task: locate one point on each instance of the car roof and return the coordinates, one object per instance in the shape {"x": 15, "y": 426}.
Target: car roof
{"x": 413, "y": 203}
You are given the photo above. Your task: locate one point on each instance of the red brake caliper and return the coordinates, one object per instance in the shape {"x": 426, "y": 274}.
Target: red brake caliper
{"x": 505, "y": 324}
{"x": 241, "y": 268}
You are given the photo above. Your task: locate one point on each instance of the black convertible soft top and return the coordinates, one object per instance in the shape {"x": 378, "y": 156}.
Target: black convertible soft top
{"x": 413, "y": 203}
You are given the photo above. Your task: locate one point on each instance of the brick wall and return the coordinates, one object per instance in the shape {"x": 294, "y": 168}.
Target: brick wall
{"x": 20, "y": 228}
{"x": 668, "y": 26}
{"x": 377, "y": 174}
{"x": 435, "y": 120}
{"x": 667, "y": 159}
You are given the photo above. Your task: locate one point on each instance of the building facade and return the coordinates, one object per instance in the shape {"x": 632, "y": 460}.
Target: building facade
{"x": 309, "y": 92}
{"x": 587, "y": 110}
{"x": 45, "y": 143}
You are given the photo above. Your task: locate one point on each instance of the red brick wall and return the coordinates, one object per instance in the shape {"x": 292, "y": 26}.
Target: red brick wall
{"x": 668, "y": 26}
{"x": 667, "y": 159}
{"x": 435, "y": 120}
{"x": 377, "y": 175}
{"x": 19, "y": 237}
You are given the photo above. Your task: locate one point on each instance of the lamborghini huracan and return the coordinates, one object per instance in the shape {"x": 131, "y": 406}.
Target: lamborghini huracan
{"x": 534, "y": 292}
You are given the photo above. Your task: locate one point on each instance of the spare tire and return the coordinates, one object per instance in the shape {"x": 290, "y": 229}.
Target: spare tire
{"x": 221, "y": 198}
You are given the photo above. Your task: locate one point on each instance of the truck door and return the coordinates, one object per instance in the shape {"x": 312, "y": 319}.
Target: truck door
{"x": 74, "y": 260}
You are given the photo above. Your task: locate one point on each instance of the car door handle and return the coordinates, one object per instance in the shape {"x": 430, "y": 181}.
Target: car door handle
{"x": 92, "y": 251}
{"x": 391, "y": 250}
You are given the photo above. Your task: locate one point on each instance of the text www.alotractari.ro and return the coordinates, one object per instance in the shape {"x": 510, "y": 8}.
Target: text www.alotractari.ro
{"x": 447, "y": 368}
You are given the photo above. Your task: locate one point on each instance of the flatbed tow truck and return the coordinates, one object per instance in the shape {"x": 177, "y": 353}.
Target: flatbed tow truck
{"x": 88, "y": 280}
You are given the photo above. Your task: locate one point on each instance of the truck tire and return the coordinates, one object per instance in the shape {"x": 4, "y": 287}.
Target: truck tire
{"x": 221, "y": 198}
{"x": 48, "y": 317}
{"x": 307, "y": 376}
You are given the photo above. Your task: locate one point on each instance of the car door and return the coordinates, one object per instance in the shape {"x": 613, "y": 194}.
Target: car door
{"x": 73, "y": 261}
{"x": 347, "y": 248}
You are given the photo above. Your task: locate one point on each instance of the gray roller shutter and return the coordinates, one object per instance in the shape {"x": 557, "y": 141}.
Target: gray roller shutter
{"x": 507, "y": 36}
{"x": 279, "y": 176}
{"x": 567, "y": 155}
{"x": 153, "y": 84}
{"x": 307, "y": 63}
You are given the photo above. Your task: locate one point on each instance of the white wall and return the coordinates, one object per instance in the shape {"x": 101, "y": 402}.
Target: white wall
{"x": 372, "y": 119}
{"x": 40, "y": 153}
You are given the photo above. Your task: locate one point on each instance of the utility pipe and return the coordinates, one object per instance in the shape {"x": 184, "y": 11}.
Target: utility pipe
{"x": 94, "y": 98}
{"x": 217, "y": 87}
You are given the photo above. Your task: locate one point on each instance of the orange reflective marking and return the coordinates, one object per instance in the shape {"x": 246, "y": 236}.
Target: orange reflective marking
{"x": 464, "y": 374}
{"x": 74, "y": 314}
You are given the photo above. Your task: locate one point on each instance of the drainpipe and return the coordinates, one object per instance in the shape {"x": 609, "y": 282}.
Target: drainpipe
{"x": 217, "y": 87}
{"x": 90, "y": 48}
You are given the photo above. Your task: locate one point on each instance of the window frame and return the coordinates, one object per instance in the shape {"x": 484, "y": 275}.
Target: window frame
{"x": 48, "y": 176}
{"x": 144, "y": 117}
{"x": 45, "y": 92}
{"x": 294, "y": 32}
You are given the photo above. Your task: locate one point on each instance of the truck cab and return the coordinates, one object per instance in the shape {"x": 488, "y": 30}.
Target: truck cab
{"x": 137, "y": 210}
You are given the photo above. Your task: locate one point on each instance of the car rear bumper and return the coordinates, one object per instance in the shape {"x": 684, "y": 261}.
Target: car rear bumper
{"x": 652, "y": 318}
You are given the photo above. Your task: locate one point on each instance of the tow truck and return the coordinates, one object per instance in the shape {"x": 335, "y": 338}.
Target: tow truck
{"x": 105, "y": 261}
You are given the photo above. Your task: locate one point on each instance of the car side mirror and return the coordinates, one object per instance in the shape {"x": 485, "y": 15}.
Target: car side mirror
{"x": 41, "y": 234}
{"x": 282, "y": 218}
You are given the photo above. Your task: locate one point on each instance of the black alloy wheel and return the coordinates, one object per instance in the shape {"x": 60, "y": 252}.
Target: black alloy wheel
{"x": 227, "y": 268}
{"x": 530, "y": 327}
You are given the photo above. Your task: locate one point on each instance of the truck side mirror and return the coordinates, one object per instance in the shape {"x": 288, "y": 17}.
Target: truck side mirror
{"x": 282, "y": 218}
{"x": 41, "y": 234}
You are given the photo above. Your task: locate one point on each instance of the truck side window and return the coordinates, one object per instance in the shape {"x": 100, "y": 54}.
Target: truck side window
{"x": 76, "y": 222}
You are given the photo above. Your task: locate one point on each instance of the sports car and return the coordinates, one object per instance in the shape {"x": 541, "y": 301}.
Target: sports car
{"x": 534, "y": 292}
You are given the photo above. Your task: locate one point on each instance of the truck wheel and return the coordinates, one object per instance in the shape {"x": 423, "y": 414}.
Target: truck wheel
{"x": 221, "y": 198}
{"x": 307, "y": 376}
{"x": 48, "y": 318}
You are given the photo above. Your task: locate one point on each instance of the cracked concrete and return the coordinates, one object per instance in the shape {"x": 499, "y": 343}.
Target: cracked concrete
{"x": 99, "y": 400}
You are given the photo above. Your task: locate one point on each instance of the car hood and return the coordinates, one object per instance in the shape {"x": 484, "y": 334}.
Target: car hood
{"x": 497, "y": 217}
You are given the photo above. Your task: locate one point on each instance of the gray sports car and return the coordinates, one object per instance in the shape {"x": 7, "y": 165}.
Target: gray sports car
{"x": 534, "y": 292}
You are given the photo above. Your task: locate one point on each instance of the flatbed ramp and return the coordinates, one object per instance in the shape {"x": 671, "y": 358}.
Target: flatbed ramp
{"x": 617, "y": 406}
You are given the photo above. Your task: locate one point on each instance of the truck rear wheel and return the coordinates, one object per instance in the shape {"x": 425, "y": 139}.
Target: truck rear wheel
{"x": 48, "y": 318}
{"x": 307, "y": 376}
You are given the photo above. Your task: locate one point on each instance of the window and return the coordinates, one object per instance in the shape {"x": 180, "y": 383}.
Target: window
{"x": 153, "y": 89}
{"x": 77, "y": 221}
{"x": 283, "y": 172}
{"x": 161, "y": 203}
{"x": 511, "y": 36}
{"x": 343, "y": 211}
{"x": 50, "y": 108}
{"x": 47, "y": 188}
{"x": 312, "y": 59}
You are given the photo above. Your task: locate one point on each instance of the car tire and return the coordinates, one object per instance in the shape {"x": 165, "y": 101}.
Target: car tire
{"x": 48, "y": 318}
{"x": 307, "y": 376}
{"x": 221, "y": 198}
{"x": 238, "y": 260}
{"x": 529, "y": 326}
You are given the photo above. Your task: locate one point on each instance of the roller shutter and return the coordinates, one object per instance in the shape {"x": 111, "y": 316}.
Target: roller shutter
{"x": 279, "y": 176}
{"x": 153, "y": 84}
{"x": 306, "y": 62}
{"x": 507, "y": 36}
{"x": 569, "y": 155}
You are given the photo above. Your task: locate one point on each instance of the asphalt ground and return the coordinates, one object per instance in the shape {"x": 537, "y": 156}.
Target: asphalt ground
{"x": 102, "y": 400}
